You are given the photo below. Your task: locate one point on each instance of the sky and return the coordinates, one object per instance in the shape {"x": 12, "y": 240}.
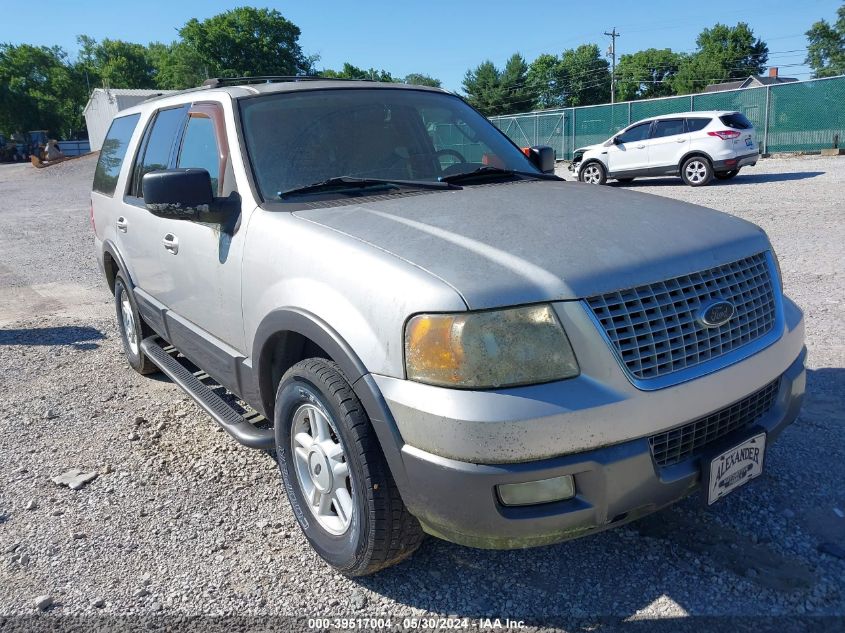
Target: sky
{"x": 436, "y": 37}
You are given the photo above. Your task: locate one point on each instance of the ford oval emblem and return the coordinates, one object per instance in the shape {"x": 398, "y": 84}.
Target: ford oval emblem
{"x": 716, "y": 314}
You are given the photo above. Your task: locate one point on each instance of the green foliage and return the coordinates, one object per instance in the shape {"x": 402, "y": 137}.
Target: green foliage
{"x": 419, "y": 79}
{"x": 246, "y": 42}
{"x": 723, "y": 53}
{"x": 353, "y": 72}
{"x": 495, "y": 91}
{"x": 39, "y": 89}
{"x": 116, "y": 63}
{"x": 826, "y": 46}
{"x": 646, "y": 74}
{"x": 580, "y": 76}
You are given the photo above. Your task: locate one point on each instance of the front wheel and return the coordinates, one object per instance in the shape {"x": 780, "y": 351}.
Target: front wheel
{"x": 593, "y": 173}
{"x": 696, "y": 171}
{"x": 336, "y": 477}
{"x": 726, "y": 175}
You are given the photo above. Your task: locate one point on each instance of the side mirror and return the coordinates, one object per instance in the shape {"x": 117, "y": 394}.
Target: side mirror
{"x": 614, "y": 140}
{"x": 183, "y": 194}
{"x": 543, "y": 158}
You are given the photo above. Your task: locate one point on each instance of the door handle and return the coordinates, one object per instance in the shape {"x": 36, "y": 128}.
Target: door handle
{"x": 682, "y": 140}
{"x": 171, "y": 243}
{"x": 640, "y": 146}
{"x": 122, "y": 224}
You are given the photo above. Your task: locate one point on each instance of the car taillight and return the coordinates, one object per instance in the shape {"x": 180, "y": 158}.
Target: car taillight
{"x": 725, "y": 134}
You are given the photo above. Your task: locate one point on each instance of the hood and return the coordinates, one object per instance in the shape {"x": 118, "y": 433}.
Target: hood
{"x": 530, "y": 241}
{"x": 588, "y": 148}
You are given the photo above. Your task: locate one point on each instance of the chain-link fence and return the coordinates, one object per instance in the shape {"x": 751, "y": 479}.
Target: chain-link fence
{"x": 794, "y": 117}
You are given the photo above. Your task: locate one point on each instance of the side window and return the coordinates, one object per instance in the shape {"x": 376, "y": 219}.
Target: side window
{"x": 113, "y": 152}
{"x": 696, "y": 125}
{"x": 199, "y": 148}
{"x": 636, "y": 133}
{"x": 670, "y": 127}
{"x": 737, "y": 121}
{"x": 158, "y": 146}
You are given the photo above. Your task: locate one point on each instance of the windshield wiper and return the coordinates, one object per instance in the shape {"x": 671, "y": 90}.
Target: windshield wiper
{"x": 488, "y": 171}
{"x": 351, "y": 182}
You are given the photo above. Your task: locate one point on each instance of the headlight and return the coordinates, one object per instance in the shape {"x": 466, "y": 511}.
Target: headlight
{"x": 500, "y": 348}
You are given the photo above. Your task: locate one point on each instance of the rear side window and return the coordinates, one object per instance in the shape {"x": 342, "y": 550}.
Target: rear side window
{"x": 696, "y": 125}
{"x": 672, "y": 127}
{"x": 113, "y": 152}
{"x": 158, "y": 146}
{"x": 636, "y": 133}
{"x": 736, "y": 120}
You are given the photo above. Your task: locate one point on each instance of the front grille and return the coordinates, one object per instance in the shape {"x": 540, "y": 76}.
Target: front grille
{"x": 680, "y": 443}
{"x": 654, "y": 328}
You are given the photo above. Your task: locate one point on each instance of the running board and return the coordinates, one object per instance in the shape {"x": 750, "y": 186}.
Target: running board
{"x": 230, "y": 420}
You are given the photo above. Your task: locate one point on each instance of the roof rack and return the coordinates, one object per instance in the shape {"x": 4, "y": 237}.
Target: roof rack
{"x": 217, "y": 82}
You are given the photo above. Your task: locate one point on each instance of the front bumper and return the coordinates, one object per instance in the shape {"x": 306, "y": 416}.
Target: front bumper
{"x": 615, "y": 484}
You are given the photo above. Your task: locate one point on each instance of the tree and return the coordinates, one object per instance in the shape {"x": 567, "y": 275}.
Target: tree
{"x": 419, "y": 79}
{"x": 518, "y": 95}
{"x": 40, "y": 89}
{"x": 246, "y": 42}
{"x": 723, "y": 53}
{"x": 585, "y": 76}
{"x": 826, "y": 46}
{"x": 116, "y": 63}
{"x": 177, "y": 66}
{"x": 353, "y": 72}
{"x": 547, "y": 77}
{"x": 483, "y": 88}
{"x": 647, "y": 74}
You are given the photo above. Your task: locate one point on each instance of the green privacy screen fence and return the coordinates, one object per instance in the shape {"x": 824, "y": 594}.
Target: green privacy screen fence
{"x": 796, "y": 117}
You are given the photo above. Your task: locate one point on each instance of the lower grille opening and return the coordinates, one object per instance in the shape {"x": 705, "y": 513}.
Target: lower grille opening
{"x": 681, "y": 443}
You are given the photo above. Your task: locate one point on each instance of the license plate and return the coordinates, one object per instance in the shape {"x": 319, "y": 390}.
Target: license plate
{"x": 735, "y": 467}
{"x": 749, "y": 142}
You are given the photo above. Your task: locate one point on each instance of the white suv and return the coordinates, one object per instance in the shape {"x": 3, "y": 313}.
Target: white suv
{"x": 694, "y": 145}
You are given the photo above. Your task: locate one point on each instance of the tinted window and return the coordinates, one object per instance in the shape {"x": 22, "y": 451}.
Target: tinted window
{"x": 113, "y": 153}
{"x": 199, "y": 148}
{"x": 696, "y": 125}
{"x": 159, "y": 145}
{"x": 737, "y": 121}
{"x": 298, "y": 138}
{"x": 671, "y": 127}
{"x": 636, "y": 133}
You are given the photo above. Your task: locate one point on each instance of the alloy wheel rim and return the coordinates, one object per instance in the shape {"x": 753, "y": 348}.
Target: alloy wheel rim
{"x": 592, "y": 175}
{"x": 322, "y": 471}
{"x": 129, "y": 323}
{"x": 696, "y": 171}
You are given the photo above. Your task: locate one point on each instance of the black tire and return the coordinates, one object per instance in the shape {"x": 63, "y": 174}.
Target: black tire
{"x": 381, "y": 531}
{"x": 593, "y": 173}
{"x": 624, "y": 181}
{"x": 132, "y": 341}
{"x": 697, "y": 171}
{"x": 726, "y": 175}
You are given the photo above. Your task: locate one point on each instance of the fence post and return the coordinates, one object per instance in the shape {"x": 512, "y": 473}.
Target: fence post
{"x": 573, "y": 131}
{"x": 692, "y": 103}
{"x": 629, "y": 113}
{"x": 766, "y": 122}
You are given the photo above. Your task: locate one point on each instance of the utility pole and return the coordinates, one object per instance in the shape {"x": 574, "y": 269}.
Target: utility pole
{"x": 612, "y": 35}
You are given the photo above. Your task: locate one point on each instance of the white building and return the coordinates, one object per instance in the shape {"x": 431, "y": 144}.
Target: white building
{"x": 105, "y": 103}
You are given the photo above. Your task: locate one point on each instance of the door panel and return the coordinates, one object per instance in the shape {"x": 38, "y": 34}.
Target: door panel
{"x": 669, "y": 141}
{"x": 631, "y": 152}
{"x": 201, "y": 281}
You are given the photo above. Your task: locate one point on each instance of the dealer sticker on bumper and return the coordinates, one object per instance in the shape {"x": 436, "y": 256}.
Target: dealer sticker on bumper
{"x": 736, "y": 467}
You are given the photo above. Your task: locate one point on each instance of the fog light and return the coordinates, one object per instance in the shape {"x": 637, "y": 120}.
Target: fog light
{"x": 541, "y": 491}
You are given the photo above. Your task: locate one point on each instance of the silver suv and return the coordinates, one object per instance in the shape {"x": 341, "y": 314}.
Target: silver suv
{"x": 430, "y": 331}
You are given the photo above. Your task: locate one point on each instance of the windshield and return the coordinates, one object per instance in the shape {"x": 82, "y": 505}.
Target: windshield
{"x": 302, "y": 138}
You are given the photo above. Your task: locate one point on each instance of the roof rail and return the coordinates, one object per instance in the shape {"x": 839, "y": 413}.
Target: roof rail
{"x": 217, "y": 82}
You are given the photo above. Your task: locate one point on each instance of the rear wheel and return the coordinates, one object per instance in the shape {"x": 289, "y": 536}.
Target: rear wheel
{"x": 696, "y": 171}
{"x": 593, "y": 173}
{"x": 336, "y": 477}
{"x": 132, "y": 329}
{"x": 726, "y": 175}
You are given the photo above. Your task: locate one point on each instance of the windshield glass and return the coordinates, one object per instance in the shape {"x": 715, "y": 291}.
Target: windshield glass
{"x": 297, "y": 139}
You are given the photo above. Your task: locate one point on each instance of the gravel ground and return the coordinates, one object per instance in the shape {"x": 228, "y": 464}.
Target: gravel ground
{"x": 182, "y": 521}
